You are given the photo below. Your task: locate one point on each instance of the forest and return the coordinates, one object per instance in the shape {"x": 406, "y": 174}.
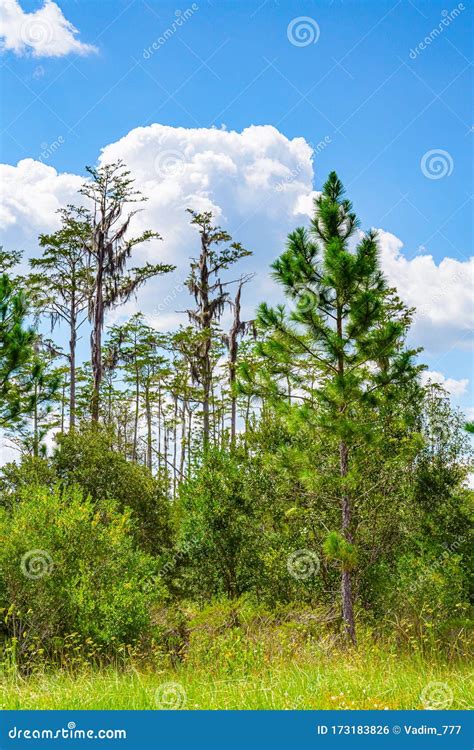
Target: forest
{"x": 262, "y": 513}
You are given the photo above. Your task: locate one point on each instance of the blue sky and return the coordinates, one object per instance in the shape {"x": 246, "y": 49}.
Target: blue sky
{"x": 363, "y": 87}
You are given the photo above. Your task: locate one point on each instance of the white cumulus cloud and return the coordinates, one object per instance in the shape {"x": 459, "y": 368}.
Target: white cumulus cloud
{"x": 441, "y": 293}
{"x": 30, "y": 195}
{"x": 259, "y": 184}
{"x": 454, "y": 387}
{"x": 42, "y": 33}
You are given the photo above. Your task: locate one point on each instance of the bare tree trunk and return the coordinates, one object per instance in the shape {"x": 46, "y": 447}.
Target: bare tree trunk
{"x": 346, "y": 579}
{"x": 159, "y": 426}
{"x": 205, "y": 414}
{"x": 63, "y": 405}
{"x": 190, "y": 424}
{"x": 35, "y": 423}
{"x": 182, "y": 457}
{"x": 149, "y": 447}
{"x": 96, "y": 347}
{"x": 346, "y": 512}
{"x": 233, "y": 349}
{"x": 136, "y": 417}
{"x": 175, "y": 443}
{"x": 109, "y": 406}
{"x": 165, "y": 451}
{"x": 72, "y": 365}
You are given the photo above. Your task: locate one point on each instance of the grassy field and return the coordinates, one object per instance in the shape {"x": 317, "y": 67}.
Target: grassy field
{"x": 358, "y": 681}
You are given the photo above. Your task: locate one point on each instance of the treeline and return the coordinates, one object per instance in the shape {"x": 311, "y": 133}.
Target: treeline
{"x": 294, "y": 457}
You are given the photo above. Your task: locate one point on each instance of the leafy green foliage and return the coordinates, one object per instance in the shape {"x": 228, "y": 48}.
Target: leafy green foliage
{"x": 70, "y": 566}
{"x": 16, "y": 350}
{"x": 337, "y": 548}
{"x": 86, "y": 457}
{"x": 214, "y": 520}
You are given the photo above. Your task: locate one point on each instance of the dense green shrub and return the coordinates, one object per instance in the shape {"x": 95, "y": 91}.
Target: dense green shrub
{"x": 240, "y": 530}
{"x": 70, "y": 567}
{"x": 86, "y": 458}
{"x": 17, "y": 477}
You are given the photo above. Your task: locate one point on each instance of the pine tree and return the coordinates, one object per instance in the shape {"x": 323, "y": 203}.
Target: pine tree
{"x": 136, "y": 347}
{"x": 39, "y": 381}
{"x": 16, "y": 342}
{"x": 345, "y": 325}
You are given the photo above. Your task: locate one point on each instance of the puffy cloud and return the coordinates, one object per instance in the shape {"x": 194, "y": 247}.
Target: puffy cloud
{"x": 258, "y": 183}
{"x": 454, "y": 387}
{"x": 252, "y": 181}
{"x": 43, "y": 33}
{"x": 31, "y": 194}
{"x": 441, "y": 293}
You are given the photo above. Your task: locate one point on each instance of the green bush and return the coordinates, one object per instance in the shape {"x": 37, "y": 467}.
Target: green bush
{"x": 86, "y": 457}
{"x": 70, "y": 568}
{"x": 16, "y": 477}
{"x": 241, "y": 530}
{"x": 424, "y": 600}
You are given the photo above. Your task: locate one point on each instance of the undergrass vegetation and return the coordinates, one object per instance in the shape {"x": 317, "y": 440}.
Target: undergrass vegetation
{"x": 235, "y": 655}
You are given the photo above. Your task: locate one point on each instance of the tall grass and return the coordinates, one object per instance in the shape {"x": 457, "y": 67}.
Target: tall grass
{"x": 374, "y": 680}
{"x": 239, "y": 656}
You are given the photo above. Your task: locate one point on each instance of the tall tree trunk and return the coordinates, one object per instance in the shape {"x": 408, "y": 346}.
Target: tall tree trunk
{"x": 190, "y": 432}
{"x": 72, "y": 365}
{"x": 35, "y": 423}
{"x": 63, "y": 405}
{"x": 232, "y": 374}
{"x": 206, "y": 425}
{"x": 346, "y": 511}
{"x": 159, "y": 426}
{"x": 109, "y": 406}
{"x": 96, "y": 349}
{"x": 149, "y": 439}
{"x": 175, "y": 443}
{"x": 136, "y": 416}
{"x": 165, "y": 451}
{"x": 182, "y": 457}
{"x": 346, "y": 578}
